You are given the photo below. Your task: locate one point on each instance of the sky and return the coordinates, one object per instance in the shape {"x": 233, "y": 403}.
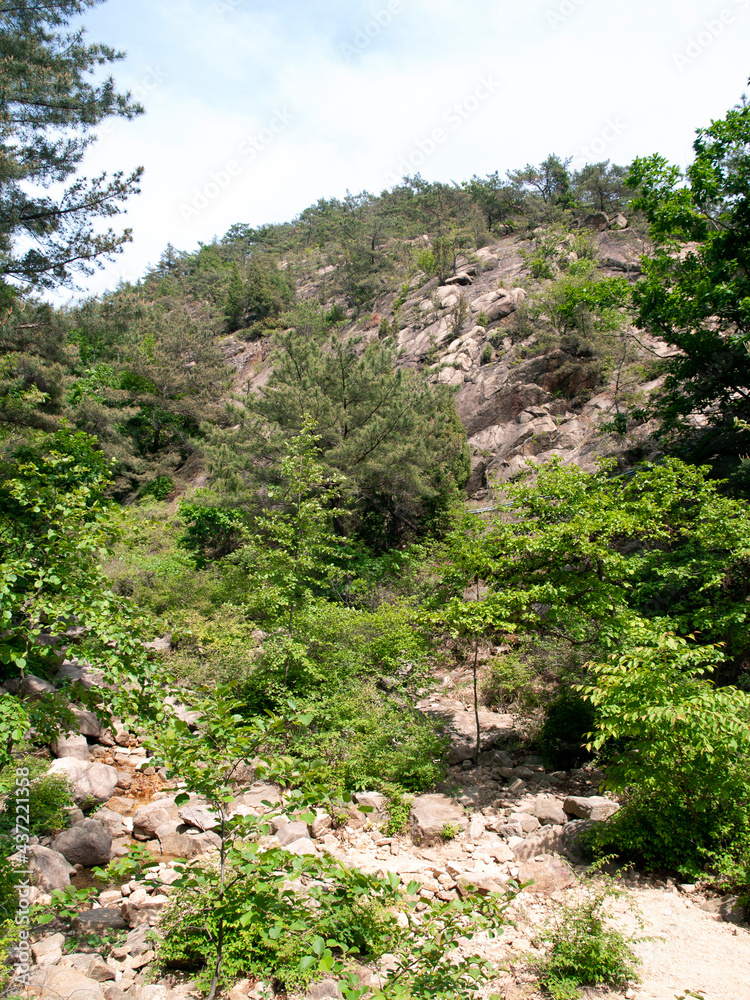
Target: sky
{"x": 256, "y": 109}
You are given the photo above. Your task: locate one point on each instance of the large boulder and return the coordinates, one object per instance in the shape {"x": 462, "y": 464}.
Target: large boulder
{"x": 113, "y": 822}
{"x": 290, "y": 832}
{"x": 548, "y": 873}
{"x": 546, "y": 840}
{"x": 90, "y": 782}
{"x": 594, "y": 807}
{"x": 49, "y": 869}
{"x": 549, "y": 811}
{"x": 73, "y": 745}
{"x": 48, "y": 950}
{"x": 87, "y": 844}
{"x": 148, "y": 818}
{"x": 64, "y": 984}
{"x": 433, "y": 816}
{"x": 181, "y": 841}
{"x": 460, "y": 727}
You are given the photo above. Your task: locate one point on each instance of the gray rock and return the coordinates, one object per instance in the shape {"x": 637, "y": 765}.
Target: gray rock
{"x": 99, "y": 970}
{"x": 374, "y": 801}
{"x": 161, "y": 644}
{"x": 183, "y": 842}
{"x": 87, "y": 844}
{"x": 72, "y": 746}
{"x": 527, "y": 822}
{"x": 90, "y": 782}
{"x": 546, "y": 840}
{"x": 482, "y": 884}
{"x": 324, "y": 989}
{"x": 597, "y": 221}
{"x": 66, "y": 984}
{"x": 143, "y": 912}
{"x": 290, "y": 832}
{"x": 432, "y": 814}
{"x": 147, "y": 819}
{"x": 113, "y": 822}
{"x": 48, "y": 950}
{"x": 101, "y": 919}
{"x": 303, "y": 845}
{"x": 476, "y": 827}
{"x": 594, "y": 807}
{"x": 199, "y": 817}
{"x": 321, "y": 825}
{"x": 726, "y": 908}
{"x": 259, "y": 793}
{"x": 548, "y": 873}
{"x": 549, "y": 811}
{"x": 33, "y": 688}
{"x": 49, "y": 869}
{"x": 156, "y": 992}
{"x": 88, "y": 723}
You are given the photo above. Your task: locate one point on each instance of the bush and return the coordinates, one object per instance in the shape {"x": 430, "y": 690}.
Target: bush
{"x": 49, "y": 799}
{"x": 487, "y": 354}
{"x": 365, "y": 739}
{"x": 511, "y": 680}
{"x": 269, "y": 928}
{"x": 681, "y": 759}
{"x": 584, "y": 949}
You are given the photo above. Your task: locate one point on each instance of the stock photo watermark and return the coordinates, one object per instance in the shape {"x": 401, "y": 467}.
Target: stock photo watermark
{"x": 248, "y": 151}
{"x": 563, "y": 11}
{"x": 22, "y": 951}
{"x": 222, "y": 7}
{"x": 363, "y": 37}
{"x": 595, "y": 149}
{"x": 710, "y": 31}
{"x": 454, "y": 118}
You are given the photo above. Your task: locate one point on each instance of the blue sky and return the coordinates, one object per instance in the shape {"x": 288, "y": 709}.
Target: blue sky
{"x": 256, "y": 109}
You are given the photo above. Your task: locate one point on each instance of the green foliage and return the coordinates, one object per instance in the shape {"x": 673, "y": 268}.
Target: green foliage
{"x": 64, "y": 906}
{"x": 49, "y": 799}
{"x": 397, "y": 442}
{"x": 699, "y": 301}
{"x": 269, "y": 929}
{"x": 577, "y": 554}
{"x": 9, "y": 937}
{"x": 585, "y": 949}
{"x": 510, "y": 680}
{"x": 487, "y": 354}
{"x": 683, "y": 756}
{"x": 450, "y": 831}
{"x": 49, "y": 111}
{"x": 360, "y": 739}
{"x": 54, "y": 526}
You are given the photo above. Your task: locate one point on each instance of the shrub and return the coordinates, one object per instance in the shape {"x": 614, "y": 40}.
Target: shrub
{"x": 366, "y": 739}
{"x": 510, "y": 681}
{"x": 487, "y": 354}
{"x": 585, "y": 950}
{"x": 49, "y": 799}
{"x": 269, "y": 928}
{"x": 682, "y": 756}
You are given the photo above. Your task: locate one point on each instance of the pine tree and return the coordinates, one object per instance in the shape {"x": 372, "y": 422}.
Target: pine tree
{"x": 48, "y": 110}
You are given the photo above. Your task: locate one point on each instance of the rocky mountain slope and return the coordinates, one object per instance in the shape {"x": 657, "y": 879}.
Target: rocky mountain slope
{"x": 521, "y": 394}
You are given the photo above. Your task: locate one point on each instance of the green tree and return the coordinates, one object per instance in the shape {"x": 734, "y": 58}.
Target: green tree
{"x": 678, "y": 750}
{"x": 55, "y": 524}
{"x": 48, "y": 110}
{"x": 398, "y": 442}
{"x": 695, "y": 293}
